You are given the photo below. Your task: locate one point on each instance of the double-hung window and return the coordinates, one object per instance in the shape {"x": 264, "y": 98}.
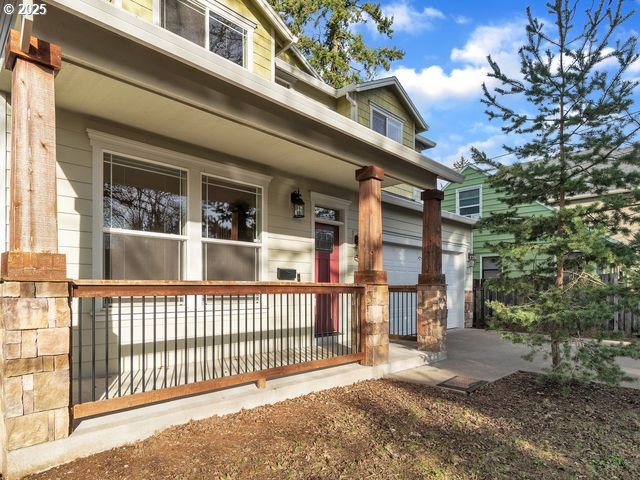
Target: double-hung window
{"x": 144, "y": 211}
{"x": 224, "y": 33}
{"x": 386, "y": 124}
{"x": 468, "y": 202}
{"x": 231, "y": 226}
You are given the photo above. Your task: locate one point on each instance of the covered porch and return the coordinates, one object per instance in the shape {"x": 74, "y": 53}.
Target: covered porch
{"x": 96, "y": 340}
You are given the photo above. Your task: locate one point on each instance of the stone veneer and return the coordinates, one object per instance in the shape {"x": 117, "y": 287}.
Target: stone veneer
{"x": 35, "y": 321}
{"x": 375, "y": 328}
{"x": 468, "y": 309}
{"x": 432, "y": 320}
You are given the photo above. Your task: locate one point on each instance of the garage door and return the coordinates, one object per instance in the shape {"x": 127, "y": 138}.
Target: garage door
{"x": 402, "y": 263}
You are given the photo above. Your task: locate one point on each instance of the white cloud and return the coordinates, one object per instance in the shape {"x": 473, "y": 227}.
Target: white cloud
{"x": 461, "y": 19}
{"x": 408, "y": 19}
{"x": 432, "y": 84}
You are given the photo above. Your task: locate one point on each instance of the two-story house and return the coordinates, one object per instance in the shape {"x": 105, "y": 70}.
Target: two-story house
{"x": 208, "y": 208}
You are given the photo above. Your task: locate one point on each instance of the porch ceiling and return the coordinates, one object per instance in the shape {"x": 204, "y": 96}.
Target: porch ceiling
{"x": 109, "y": 76}
{"x": 84, "y": 91}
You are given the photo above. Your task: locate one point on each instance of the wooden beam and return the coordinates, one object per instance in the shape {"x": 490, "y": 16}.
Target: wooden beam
{"x": 145, "y": 398}
{"x": 33, "y": 213}
{"x": 431, "y": 273}
{"x": 43, "y": 53}
{"x": 370, "y": 260}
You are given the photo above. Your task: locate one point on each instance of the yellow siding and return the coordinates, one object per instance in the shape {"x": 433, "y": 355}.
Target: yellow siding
{"x": 387, "y": 99}
{"x": 262, "y": 40}
{"x": 402, "y": 189}
{"x": 344, "y": 107}
{"x": 291, "y": 59}
{"x": 140, "y": 8}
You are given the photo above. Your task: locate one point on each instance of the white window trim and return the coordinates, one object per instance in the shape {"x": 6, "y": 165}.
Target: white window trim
{"x": 232, "y": 16}
{"x": 259, "y": 243}
{"x": 465, "y": 189}
{"x": 342, "y": 206}
{"x": 196, "y": 167}
{"x": 482, "y": 257}
{"x": 390, "y": 116}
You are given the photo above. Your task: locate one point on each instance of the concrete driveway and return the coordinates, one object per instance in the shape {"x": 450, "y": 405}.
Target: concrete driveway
{"x": 485, "y": 356}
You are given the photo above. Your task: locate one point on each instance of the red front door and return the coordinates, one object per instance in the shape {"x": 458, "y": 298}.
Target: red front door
{"x": 327, "y": 271}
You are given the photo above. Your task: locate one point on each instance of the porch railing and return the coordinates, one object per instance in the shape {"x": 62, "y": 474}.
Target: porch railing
{"x": 402, "y": 312}
{"x": 142, "y": 342}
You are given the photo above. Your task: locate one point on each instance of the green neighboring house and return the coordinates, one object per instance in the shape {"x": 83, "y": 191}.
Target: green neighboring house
{"x": 475, "y": 198}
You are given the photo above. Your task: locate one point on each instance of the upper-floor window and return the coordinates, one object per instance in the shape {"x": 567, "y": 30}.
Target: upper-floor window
{"x": 386, "y": 124}
{"x": 223, "y": 33}
{"x": 468, "y": 202}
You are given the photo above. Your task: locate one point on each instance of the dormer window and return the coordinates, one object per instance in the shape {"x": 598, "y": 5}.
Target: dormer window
{"x": 386, "y": 124}
{"x": 211, "y": 26}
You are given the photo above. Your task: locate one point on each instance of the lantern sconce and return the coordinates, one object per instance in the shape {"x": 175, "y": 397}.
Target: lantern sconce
{"x": 471, "y": 260}
{"x": 298, "y": 204}
{"x": 355, "y": 247}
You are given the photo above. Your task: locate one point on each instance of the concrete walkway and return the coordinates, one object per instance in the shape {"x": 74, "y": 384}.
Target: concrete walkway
{"x": 485, "y": 356}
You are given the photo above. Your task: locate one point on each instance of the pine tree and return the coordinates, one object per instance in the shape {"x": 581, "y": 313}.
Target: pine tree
{"x": 329, "y": 40}
{"x": 571, "y": 109}
{"x": 461, "y": 163}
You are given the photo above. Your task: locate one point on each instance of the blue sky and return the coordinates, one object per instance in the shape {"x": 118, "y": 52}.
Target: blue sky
{"x": 446, "y": 44}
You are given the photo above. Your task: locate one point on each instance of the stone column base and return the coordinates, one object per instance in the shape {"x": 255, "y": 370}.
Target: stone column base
{"x": 432, "y": 319}
{"x": 35, "y": 321}
{"x": 375, "y": 324}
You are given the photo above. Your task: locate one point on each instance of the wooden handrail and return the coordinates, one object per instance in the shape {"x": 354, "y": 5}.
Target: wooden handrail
{"x": 139, "y": 288}
{"x": 403, "y": 288}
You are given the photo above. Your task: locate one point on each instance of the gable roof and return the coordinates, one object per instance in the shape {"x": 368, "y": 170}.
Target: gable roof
{"x": 276, "y": 21}
{"x": 395, "y": 84}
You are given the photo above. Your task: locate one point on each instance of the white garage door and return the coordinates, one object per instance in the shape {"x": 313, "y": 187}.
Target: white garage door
{"x": 402, "y": 264}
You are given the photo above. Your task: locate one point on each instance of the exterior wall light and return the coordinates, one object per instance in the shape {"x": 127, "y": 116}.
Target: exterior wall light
{"x": 298, "y": 204}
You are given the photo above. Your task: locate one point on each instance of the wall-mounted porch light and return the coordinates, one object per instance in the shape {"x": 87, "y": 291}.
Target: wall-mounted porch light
{"x": 355, "y": 247}
{"x": 471, "y": 259}
{"x": 298, "y": 204}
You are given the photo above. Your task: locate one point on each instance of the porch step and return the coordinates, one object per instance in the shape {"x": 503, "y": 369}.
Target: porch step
{"x": 102, "y": 433}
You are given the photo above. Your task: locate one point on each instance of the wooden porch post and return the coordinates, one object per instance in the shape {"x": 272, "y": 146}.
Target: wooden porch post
{"x": 34, "y": 295}
{"x": 432, "y": 289}
{"x": 375, "y": 327}
{"x": 33, "y": 213}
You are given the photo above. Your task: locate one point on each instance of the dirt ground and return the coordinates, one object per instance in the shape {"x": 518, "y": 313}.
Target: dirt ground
{"x": 516, "y": 428}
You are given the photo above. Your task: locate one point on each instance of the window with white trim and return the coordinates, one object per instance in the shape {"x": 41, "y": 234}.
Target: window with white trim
{"x": 144, "y": 206}
{"x": 231, "y": 226}
{"x": 224, "y": 35}
{"x": 490, "y": 267}
{"x": 386, "y": 124}
{"x": 468, "y": 202}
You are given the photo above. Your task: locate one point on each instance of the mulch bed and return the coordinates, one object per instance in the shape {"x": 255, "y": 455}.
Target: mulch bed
{"x": 515, "y": 428}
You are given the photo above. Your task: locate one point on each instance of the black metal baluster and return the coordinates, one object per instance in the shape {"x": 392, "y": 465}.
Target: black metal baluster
{"x": 119, "y": 346}
{"x": 268, "y": 342}
{"x": 238, "y": 333}
{"x": 106, "y": 352}
{"x": 186, "y": 340}
{"x": 253, "y": 332}
{"x": 131, "y": 343}
{"x": 246, "y": 336}
{"x": 166, "y": 355}
{"x": 80, "y": 350}
{"x": 213, "y": 334}
{"x": 281, "y": 333}
{"x": 204, "y": 337}
{"x": 144, "y": 345}
{"x": 155, "y": 353}
{"x": 175, "y": 340}
{"x": 222, "y": 334}
{"x": 260, "y": 306}
{"x": 275, "y": 333}
{"x": 93, "y": 349}
{"x": 287, "y": 335}
{"x": 195, "y": 338}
